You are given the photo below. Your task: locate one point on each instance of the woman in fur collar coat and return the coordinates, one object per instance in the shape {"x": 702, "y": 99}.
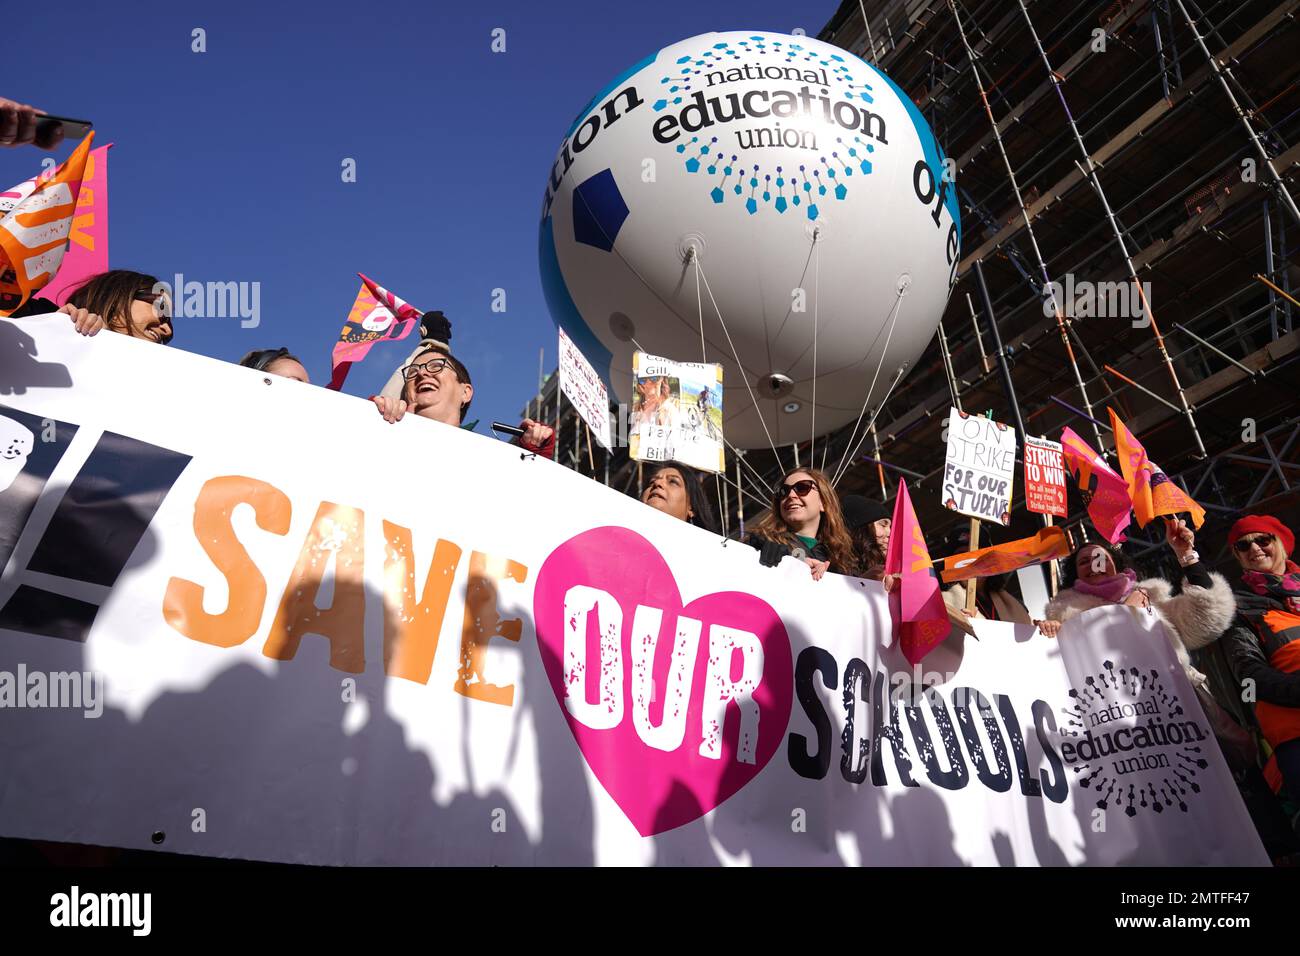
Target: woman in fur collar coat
{"x": 1099, "y": 575}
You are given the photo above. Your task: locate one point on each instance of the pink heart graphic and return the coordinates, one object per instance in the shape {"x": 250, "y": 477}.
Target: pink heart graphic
{"x": 639, "y": 720}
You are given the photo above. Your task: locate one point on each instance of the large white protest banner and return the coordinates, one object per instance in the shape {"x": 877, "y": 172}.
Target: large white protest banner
{"x": 311, "y": 654}
{"x": 979, "y": 468}
{"x": 582, "y": 386}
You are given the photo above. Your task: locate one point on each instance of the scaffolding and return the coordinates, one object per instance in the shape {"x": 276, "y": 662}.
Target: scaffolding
{"x": 1153, "y": 141}
{"x": 1188, "y": 112}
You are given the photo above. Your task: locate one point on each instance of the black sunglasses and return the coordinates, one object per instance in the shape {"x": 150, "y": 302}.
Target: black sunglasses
{"x": 1242, "y": 545}
{"x": 800, "y": 488}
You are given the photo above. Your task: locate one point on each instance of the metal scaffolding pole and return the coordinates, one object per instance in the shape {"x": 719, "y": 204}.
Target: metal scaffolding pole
{"x": 1033, "y": 240}
{"x": 1219, "y": 72}
{"x": 1091, "y": 171}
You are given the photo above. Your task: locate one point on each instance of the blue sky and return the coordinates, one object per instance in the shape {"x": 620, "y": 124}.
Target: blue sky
{"x": 227, "y": 164}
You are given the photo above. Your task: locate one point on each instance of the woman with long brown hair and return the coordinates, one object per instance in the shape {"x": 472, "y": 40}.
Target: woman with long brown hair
{"x": 128, "y": 303}
{"x": 806, "y": 522}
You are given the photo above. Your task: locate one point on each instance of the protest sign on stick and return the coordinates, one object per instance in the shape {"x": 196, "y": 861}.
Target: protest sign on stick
{"x": 580, "y": 383}
{"x": 1044, "y": 477}
{"x": 979, "y": 471}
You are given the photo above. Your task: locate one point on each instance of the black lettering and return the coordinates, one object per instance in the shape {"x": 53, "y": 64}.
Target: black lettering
{"x": 999, "y": 782}
{"x": 812, "y": 660}
{"x": 1057, "y": 788}
{"x": 957, "y": 776}
{"x": 1028, "y": 785}
{"x": 852, "y": 767}
{"x": 886, "y": 728}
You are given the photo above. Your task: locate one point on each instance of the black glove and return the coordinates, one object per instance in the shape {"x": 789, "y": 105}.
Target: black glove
{"x": 771, "y": 553}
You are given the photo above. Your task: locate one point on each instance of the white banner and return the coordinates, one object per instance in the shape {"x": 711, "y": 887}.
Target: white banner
{"x": 242, "y": 616}
{"x": 582, "y": 386}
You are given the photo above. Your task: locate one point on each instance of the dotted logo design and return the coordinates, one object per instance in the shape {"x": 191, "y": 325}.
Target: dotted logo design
{"x": 766, "y": 185}
{"x": 1131, "y": 741}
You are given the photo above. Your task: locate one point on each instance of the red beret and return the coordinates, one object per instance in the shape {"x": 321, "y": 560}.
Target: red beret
{"x": 1262, "y": 524}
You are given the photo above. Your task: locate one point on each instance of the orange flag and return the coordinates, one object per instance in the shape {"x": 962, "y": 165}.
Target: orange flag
{"x": 1049, "y": 544}
{"x": 1152, "y": 492}
{"x": 34, "y": 230}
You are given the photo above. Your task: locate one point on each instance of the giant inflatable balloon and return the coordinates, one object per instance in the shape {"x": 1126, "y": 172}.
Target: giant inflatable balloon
{"x": 812, "y": 192}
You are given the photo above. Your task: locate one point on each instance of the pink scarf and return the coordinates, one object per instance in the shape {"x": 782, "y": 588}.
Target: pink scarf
{"x": 1284, "y": 588}
{"x": 1113, "y": 587}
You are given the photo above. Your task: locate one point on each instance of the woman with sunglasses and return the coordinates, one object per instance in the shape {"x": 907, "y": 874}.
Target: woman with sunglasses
{"x": 678, "y": 490}
{"x": 119, "y": 300}
{"x": 805, "y": 522}
{"x": 1263, "y": 643}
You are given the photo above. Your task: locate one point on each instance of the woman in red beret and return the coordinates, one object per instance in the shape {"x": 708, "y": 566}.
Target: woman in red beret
{"x": 1263, "y": 645}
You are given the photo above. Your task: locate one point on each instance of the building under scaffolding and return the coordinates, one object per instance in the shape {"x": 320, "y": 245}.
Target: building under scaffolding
{"x": 1094, "y": 142}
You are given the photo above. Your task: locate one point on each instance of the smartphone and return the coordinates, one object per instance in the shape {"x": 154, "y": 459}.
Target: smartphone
{"x": 73, "y": 129}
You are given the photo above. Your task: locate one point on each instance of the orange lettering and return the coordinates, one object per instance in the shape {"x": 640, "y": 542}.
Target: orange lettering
{"x": 411, "y": 634}
{"x": 338, "y": 532}
{"x": 183, "y": 600}
{"x": 482, "y": 623}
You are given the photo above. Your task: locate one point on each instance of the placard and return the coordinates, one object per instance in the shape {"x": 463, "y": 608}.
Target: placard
{"x": 676, "y": 412}
{"x": 1044, "y": 477}
{"x": 583, "y": 387}
{"x": 979, "y": 471}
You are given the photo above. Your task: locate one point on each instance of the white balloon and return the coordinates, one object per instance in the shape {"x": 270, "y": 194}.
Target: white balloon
{"x": 812, "y": 191}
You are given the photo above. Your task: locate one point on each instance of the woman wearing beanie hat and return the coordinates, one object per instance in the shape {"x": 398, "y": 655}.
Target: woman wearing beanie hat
{"x": 868, "y": 522}
{"x": 1263, "y": 644}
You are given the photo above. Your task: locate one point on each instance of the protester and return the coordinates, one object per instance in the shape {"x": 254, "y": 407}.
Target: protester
{"x": 1098, "y": 575}
{"x": 118, "y": 300}
{"x": 678, "y": 490}
{"x": 1263, "y": 643}
{"x": 868, "y": 523}
{"x": 435, "y": 384}
{"x": 19, "y": 125}
{"x": 805, "y": 522}
{"x": 276, "y": 362}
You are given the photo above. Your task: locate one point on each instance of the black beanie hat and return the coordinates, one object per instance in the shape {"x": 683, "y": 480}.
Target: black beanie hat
{"x": 860, "y": 511}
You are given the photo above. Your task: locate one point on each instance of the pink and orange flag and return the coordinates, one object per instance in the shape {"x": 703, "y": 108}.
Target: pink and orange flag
{"x": 1049, "y": 544}
{"x": 35, "y": 223}
{"x": 87, "y": 253}
{"x": 377, "y": 316}
{"x": 1105, "y": 492}
{"x": 1152, "y": 492}
{"x": 915, "y": 604}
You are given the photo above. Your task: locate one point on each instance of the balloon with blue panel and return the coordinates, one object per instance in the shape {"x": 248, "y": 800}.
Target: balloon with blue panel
{"x": 781, "y": 188}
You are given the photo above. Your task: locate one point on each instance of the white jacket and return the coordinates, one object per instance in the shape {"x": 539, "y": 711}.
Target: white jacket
{"x": 1192, "y": 619}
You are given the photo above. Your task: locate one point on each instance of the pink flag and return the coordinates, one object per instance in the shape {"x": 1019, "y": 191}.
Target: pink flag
{"x": 87, "y": 253}
{"x": 1105, "y": 492}
{"x": 377, "y": 316}
{"x": 915, "y": 604}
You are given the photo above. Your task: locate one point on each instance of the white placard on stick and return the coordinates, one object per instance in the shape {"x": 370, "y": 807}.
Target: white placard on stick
{"x": 582, "y": 386}
{"x": 676, "y": 412}
{"x": 979, "y": 471}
